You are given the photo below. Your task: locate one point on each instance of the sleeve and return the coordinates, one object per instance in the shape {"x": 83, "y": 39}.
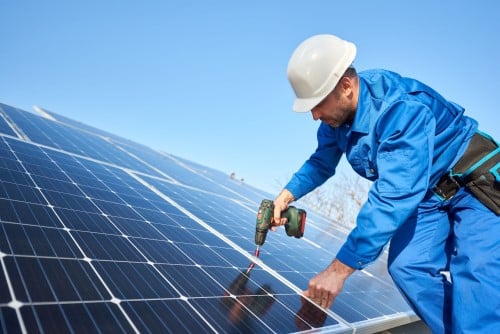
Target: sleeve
{"x": 320, "y": 166}
{"x": 404, "y": 160}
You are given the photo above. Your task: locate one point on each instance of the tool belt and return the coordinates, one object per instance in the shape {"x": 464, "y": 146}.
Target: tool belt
{"x": 478, "y": 170}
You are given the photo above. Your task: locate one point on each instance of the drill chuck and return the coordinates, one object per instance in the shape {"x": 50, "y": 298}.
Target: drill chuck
{"x": 294, "y": 227}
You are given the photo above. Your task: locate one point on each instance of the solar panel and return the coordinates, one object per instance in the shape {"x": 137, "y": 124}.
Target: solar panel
{"x": 101, "y": 234}
{"x": 5, "y": 128}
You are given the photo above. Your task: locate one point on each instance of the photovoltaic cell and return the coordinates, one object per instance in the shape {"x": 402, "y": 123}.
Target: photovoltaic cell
{"x": 52, "y": 134}
{"x": 106, "y": 235}
{"x": 69, "y": 317}
{"x": 176, "y": 168}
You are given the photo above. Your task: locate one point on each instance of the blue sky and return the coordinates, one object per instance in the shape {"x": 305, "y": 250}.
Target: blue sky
{"x": 206, "y": 80}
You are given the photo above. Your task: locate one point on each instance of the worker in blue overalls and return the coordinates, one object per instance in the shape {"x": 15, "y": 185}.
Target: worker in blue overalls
{"x": 435, "y": 194}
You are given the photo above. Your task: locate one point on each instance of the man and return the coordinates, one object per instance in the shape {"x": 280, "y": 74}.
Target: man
{"x": 426, "y": 159}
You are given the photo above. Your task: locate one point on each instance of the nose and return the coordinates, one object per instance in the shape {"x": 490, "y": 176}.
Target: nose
{"x": 315, "y": 114}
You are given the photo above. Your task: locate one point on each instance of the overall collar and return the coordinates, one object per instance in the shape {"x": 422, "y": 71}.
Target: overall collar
{"x": 361, "y": 122}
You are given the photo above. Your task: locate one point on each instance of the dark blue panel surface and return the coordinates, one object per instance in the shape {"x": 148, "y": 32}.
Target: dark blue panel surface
{"x": 9, "y": 323}
{"x": 58, "y": 135}
{"x": 182, "y": 170}
{"x": 38, "y": 280}
{"x": 69, "y": 318}
{"x": 92, "y": 241}
{"x": 4, "y": 126}
{"x": 165, "y": 316}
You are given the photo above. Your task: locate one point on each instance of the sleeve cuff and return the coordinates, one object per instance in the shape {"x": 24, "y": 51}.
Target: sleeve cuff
{"x": 351, "y": 259}
{"x": 295, "y": 193}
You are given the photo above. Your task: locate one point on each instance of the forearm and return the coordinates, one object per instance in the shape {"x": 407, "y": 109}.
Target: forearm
{"x": 341, "y": 269}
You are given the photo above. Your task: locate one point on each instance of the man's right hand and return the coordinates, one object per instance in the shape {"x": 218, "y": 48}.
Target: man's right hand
{"x": 281, "y": 204}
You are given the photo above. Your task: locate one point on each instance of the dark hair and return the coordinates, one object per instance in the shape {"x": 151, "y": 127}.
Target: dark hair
{"x": 350, "y": 72}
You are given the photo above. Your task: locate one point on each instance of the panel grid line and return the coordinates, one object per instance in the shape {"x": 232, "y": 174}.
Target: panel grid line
{"x": 101, "y": 232}
{"x": 79, "y": 247}
{"x": 83, "y": 252}
{"x": 233, "y": 245}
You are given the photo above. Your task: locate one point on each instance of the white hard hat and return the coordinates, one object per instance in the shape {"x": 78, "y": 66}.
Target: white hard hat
{"x": 316, "y": 67}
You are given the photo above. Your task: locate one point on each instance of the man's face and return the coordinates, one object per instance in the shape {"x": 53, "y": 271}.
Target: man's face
{"x": 336, "y": 109}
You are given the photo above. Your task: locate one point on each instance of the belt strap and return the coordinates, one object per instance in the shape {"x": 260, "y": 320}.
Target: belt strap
{"x": 447, "y": 186}
{"x": 481, "y": 148}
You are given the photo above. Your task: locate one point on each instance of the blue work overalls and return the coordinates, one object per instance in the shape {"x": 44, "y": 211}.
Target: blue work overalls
{"x": 404, "y": 137}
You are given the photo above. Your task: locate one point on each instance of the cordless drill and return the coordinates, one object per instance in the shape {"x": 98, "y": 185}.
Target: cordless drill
{"x": 296, "y": 221}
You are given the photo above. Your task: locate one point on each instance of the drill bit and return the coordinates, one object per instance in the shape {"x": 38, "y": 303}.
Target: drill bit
{"x": 256, "y": 254}
{"x": 257, "y": 251}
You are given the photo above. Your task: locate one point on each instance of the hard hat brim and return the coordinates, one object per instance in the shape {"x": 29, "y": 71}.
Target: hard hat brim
{"x": 306, "y": 105}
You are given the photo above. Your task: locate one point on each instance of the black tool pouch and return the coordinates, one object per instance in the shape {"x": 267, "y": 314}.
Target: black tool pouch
{"x": 479, "y": 170}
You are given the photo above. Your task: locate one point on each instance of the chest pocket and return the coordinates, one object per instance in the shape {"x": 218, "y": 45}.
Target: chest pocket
{"x": 361, "y": 160}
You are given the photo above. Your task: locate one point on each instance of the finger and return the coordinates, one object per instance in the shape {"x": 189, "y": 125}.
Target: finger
{"x": 329, "y": 303}
{"x": 323, "y": 299}
{"x": 325, "y": 303}
{"x": 277, "y": 214}
{"x": 277, "y": 221}
{"x": 310, "y": 295}
{"x": 328, "y": 299}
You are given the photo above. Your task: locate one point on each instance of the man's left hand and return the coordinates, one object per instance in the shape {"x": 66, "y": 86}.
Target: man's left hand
{"x": 325, "y": 286}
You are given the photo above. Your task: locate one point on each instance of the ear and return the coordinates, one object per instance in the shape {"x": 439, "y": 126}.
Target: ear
{"x": 347, "y": 85}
